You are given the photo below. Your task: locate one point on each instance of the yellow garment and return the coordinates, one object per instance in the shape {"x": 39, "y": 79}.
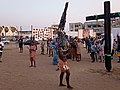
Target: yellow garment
{"x": 118, "y": 54}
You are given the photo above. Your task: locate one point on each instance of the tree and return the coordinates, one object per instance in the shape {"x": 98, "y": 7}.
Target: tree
{"x": 13, "y": 29}
{"x": 1, "y": 29}
{"x": 6, "y": 30}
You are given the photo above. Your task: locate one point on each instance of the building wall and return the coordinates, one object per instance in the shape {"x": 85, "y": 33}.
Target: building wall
{"x": 42, "y": 33}
{"x": 97, "y": 26}
{"x": 75, "y": 26}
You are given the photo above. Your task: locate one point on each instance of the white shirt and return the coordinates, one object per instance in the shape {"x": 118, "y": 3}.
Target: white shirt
{"x": 1, "y": 46}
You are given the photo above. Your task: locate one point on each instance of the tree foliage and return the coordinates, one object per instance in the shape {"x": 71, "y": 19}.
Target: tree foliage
{"x": 6, "y": 29}
{"x": 13, "y": 29}
{"x": 1, "y": 29}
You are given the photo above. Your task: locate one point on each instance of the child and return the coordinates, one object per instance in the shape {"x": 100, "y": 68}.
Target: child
{"x": 32, "y": 49}
{"x": 101, "y": 53}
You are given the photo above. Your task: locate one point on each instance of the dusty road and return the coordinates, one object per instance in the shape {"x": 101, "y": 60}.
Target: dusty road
{"x": 15, "y": 73}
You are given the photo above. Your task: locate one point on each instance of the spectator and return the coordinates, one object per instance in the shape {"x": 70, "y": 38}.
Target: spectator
{"x": 1, "y": 49}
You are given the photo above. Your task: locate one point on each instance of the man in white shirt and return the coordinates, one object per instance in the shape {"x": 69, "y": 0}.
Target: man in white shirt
{"x": 1, "y": 49}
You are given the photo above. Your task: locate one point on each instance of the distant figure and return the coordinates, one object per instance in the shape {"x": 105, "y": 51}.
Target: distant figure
{"x": 64, "y": 69}
{"x": 50, "y": 48}
{"x": 1, "y": 49}
{"x": 78, "y": 56}
{"x": 32, "y": 50}
{"x": 74, "y": 49}
{"x": 48, "y": 41}
{"x": 118, "y": 48}
{"x": 21, "y": 45}
{"x": 42, "y": 46}
{"x": 93, "y": 52}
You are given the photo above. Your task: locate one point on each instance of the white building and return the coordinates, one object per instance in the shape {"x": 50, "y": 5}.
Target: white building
{"x": 75, "y": 26}
{"x": 97, "y": 26}
{"x": 42, "y": 33}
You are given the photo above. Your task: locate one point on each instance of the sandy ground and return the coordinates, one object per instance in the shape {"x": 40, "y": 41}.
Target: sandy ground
{"x": 15, "y": 73}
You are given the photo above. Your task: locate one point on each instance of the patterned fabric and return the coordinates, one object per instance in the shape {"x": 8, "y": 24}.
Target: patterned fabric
{"x": 32, "y": 51}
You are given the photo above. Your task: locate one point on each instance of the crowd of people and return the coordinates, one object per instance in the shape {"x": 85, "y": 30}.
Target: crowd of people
{"x": 94, "y": 46}
{"x": 71, "y": 50}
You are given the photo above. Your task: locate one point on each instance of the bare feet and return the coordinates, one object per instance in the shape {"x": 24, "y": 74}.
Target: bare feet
{"x": 62, "y": 85}
{"x": 31, "y": 66}
{"x": 70, "y": 87}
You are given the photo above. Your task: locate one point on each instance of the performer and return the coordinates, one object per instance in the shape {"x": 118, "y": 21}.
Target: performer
{"x": 64, "y": 69}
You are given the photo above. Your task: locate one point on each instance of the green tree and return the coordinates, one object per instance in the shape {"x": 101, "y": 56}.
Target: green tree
{"x": 1, "y": 29}
{"x": 13, "y": 29}
{"x": 6, "y": 30}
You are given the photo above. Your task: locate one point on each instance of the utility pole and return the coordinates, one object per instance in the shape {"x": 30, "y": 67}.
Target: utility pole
{"x": 31, "y": 30}
{"x": 21, "y": 30}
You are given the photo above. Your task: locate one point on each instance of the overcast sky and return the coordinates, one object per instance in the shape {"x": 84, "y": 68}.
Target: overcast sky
{"x": 44, "y": 13}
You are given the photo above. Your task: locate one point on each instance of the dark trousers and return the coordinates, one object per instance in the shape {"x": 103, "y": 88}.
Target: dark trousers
{"x": 67, "y": 77}
{"x": 93, "y": 56}
{"x": 89, "y": 48}
{"x": 0, "y": 55}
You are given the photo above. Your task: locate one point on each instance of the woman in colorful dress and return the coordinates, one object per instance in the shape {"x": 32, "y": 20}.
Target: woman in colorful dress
{"x": 55, "y": 49}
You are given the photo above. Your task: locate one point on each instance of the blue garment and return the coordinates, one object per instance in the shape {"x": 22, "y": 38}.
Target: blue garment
{"x": 93, "y": 48}
{"x": 55, "y": 56}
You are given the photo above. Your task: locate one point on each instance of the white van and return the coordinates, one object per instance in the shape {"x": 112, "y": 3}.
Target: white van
{"x": 5, "y": 41}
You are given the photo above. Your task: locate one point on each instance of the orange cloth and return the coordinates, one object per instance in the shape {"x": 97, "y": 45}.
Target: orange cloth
{"x": 63, "y": 65}
{"x": 32, "y": 51}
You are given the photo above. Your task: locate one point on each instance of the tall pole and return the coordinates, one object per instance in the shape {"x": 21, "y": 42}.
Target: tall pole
{"x": 107, "y": 30}
{"x": 60, "y": 32}
{"x": 31, "y": 30}
{"x": 21, "y": 30}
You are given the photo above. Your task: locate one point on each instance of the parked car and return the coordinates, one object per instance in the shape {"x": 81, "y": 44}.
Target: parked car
{"x": 28, "y": 42}
{"x": 5, "y": 41}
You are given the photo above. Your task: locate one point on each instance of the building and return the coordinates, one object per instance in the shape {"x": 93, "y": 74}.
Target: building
{"x": 25, "y": 33}
{"x": 42, "y": 33}
{"x": 75, "y": 26}
{"x": 97, "y": 26}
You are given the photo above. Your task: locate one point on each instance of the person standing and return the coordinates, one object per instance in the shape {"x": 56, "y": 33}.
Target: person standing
{"x": 21, "y": 45}
{"x": 55, "y": 50}
{"x": 64, "y": 69}
{"x": 74, "y": 49}
{"x": 42, "y": 46}
{"x": 50, "y": 48}
{"x": 78, "y": 56}
{"x": 1, "y": 49}
{"x": 101, "y": 52}
{"x": 118, "y": 48}
{"x": 32, "y": 50}
{"x": 93, "y": 52}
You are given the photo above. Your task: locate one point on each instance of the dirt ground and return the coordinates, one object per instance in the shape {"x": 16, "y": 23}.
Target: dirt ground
{"x": 15, "y": 73}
